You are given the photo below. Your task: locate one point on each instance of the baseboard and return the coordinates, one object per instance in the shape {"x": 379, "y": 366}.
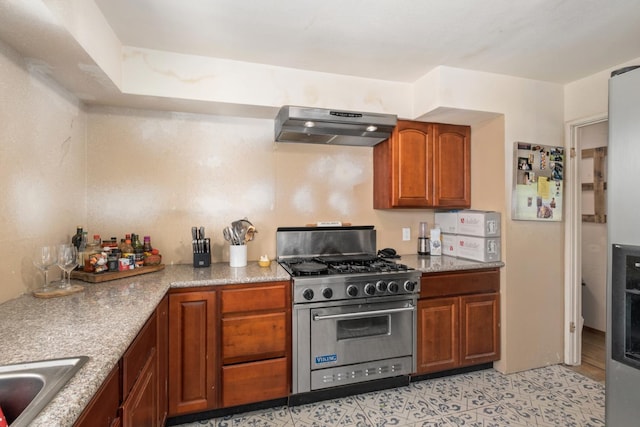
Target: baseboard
{"x": 594, "y": 331}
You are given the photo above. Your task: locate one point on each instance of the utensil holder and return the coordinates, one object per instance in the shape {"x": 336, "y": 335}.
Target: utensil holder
{"x": 237, "y": 255}
{"x": 202, "y": 260}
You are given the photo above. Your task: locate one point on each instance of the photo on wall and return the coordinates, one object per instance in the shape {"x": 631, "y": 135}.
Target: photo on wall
{"x": 538, "y": 182}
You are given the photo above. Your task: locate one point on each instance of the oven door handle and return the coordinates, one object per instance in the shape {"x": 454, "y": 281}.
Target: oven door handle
{"x": 362, "y": 313}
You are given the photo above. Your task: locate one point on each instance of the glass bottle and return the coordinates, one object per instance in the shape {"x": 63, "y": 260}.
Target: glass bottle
{"x": 127, "y": 252}
{"x": 90, "y": 252}
{"x": 76, "y": 240}
{"x": 146, "y": 246}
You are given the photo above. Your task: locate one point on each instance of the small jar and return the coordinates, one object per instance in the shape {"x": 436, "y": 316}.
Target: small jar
{"x": 112, "y": 260}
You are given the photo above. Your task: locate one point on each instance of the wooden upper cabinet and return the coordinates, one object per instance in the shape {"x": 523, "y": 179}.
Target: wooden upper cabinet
{"x": 423, "y": 165}
{"x": 452, "y": 166}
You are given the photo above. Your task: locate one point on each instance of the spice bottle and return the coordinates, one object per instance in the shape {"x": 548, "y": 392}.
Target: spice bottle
{"x": 146, "y": 246}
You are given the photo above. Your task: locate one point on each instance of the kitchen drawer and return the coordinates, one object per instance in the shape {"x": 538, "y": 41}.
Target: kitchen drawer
{"x": 255, "y": 382}
{"x": 459, "y": 283}
{"x": 272, "y": 296}
{"x": 254, "y": 337}
{"x": 135, "y": 358}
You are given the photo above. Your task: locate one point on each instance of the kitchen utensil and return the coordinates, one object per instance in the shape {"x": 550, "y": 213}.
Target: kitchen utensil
{"x": 229, "y": 235}
{"x": 251, "y": 230}
{"x": 239, "y": 230}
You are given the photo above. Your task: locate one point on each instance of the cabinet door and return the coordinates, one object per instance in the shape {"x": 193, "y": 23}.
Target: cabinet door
{"x": 480, "y": 328}
{"x": 141, "y": 407}
{"x": 192, "y": 360}
{"x": 438, "y": 338}
{"x": 255, "y": 381}
{"x": 102, "y": 411}
{"x": 412, "y": 165}
{"x": 163, "y": 359}
{"x": 403, "y": 167}
{"x": 452, "y": 166}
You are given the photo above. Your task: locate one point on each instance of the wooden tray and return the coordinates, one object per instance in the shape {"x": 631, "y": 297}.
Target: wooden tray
{"x": 54, "y": 293}
{"x": 114, "y": 275}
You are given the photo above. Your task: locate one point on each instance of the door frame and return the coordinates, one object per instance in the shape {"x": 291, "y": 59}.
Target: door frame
{"x": 573, "y": 320}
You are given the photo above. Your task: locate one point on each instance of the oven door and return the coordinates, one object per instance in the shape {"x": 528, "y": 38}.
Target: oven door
{"x": 344, "y": 335}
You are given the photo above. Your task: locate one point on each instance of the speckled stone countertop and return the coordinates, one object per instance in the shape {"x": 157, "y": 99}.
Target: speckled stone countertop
{"x": 435, "y": 264}
{"x": 100, "y": 322}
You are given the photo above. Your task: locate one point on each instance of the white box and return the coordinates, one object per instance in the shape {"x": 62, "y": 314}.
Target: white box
{"x": 478, "y": 223}
{"x": 484, "y": 249}
{"x": 447, "y": 222}
{"x": 449, "y": 244}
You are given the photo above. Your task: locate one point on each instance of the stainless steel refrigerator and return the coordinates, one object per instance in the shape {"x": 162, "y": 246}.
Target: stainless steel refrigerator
{"x": 623, "y": 224}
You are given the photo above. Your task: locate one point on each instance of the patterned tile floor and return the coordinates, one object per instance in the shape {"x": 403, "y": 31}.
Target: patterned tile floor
{"x": 551, "y": 396}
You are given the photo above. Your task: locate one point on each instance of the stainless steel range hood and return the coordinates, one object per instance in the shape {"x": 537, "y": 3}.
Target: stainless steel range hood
{"x": 336, "y": 127}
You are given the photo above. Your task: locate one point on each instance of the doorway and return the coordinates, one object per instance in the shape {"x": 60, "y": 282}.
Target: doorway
{"x": 586, "y": 245}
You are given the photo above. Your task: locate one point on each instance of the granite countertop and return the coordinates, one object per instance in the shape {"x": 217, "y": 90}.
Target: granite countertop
{"x": 440, "y": 263}
{"x": 102, "y": 321}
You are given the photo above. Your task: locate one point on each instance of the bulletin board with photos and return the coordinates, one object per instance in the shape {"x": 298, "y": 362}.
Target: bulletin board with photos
{"x": 538, "y": 182}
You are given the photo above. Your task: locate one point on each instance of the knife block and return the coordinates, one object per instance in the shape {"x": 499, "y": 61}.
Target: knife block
{"x": 202, "y": 260}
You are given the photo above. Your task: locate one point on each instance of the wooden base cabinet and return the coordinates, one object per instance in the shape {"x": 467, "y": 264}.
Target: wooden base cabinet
{"x": 192, "y": 352}
{"x": 256, "y": 343}
{"x": 229, "y": 346}
{"x": 254, "y": 381}
{"x": 479, "y": 328}
{"x": 423, "y": 165}
{"x": 141, "y": 406}
{"x": 103, "y": 409}
{"x": 458, "y": 320}
{"x": 438, "y": 334}
{"x": 132, "y": 394}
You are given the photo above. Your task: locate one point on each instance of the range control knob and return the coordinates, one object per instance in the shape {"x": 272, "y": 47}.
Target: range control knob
{"x": 381, "y": 286}
{"x": 393, "y": 287}
{"x": 307, "y": 294}
{"x": 327, "y": 293}
{"x": 352, "y": 291}
{"x": 410, "y": 286}
{"x": 370, "y": 289}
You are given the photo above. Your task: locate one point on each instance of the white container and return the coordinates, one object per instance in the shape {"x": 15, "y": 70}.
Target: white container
{"x": 435, "y": 242}
{"x": 447, "y": 222}
{"x": 478, "y": 223}
{"x": 238, "y": 255}
{"x": 449, "y": 244}
{"x": 484, "y": 249}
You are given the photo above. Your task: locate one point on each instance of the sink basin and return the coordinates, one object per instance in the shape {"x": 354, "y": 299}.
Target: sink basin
{"x": 26, "y": 388}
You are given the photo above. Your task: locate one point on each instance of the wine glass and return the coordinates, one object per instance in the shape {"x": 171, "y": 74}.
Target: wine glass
{"x": 67, "y": 261}
{"x": 43, "y": 258}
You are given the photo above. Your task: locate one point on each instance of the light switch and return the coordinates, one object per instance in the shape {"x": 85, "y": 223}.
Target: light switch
{"x": 406, "y": 233}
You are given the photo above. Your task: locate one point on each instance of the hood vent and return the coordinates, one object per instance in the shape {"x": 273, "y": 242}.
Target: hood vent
{"x": 335, "y": 127}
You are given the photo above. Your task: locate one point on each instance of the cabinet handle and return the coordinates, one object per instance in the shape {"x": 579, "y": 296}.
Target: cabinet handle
{"x": 362, "y": 313}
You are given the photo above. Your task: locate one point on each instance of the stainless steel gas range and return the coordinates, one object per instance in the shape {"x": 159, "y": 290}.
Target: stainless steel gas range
{"x": 354, "y": 313}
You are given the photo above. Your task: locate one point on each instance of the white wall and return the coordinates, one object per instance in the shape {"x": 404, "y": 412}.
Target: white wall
{"x": 532, "y": 284}
{"x": 42, "y": 170}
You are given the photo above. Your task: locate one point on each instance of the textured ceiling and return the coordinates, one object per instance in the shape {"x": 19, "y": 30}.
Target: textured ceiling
{"x": 398, "y": 40}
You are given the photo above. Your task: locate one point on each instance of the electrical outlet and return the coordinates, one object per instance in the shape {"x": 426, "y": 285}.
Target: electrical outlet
{"x": 406, "y": 233}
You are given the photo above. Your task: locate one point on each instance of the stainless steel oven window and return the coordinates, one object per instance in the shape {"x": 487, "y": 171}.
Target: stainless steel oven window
{"x": 363, "y": 327}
